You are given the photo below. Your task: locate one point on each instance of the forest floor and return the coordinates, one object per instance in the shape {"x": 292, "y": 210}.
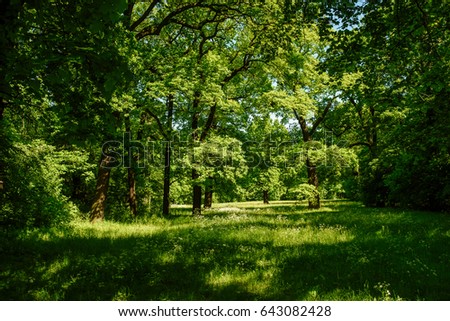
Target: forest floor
{"x": 236, "y": 251}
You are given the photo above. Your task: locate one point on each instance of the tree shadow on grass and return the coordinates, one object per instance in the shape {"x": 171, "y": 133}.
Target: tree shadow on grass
{"x": 157, "y": 267}
{"x": 364, "y": 269}
{"x": 222, "y": 260}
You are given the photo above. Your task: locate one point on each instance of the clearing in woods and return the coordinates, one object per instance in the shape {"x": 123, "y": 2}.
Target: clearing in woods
{"x": 238, "y": 251}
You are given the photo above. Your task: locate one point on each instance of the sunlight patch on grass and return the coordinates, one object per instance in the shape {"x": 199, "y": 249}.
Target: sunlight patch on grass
{"x": 298, "y": 236}
{"x": 55, "y": 267}
{"x": 250, "y": 283}
{"x": 167, "y": 258}
{"x": 280, "y": 251}
{"x": 42, "y": 295}
{"x": 123, "y": 294}
{"x": 113, "y": 230}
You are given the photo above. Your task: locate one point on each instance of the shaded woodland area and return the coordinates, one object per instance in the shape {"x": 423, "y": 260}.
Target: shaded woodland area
{"x": 114, "y": 110}
{"x": 283, "y": 251}
{"x": 226, "y": 150}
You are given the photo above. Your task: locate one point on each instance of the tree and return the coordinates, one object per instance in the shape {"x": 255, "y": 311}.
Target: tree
{"x": 399, "y": 49}
{"x": 302, "y": 89}
{"x": 221, "y": 164}
{"x": 264, "y": 143}
{"x": 199, "y": 37}
{"x": 55, "y": 76}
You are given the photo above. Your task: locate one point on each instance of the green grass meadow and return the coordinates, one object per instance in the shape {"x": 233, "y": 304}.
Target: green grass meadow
{"x": 236, "y": 251}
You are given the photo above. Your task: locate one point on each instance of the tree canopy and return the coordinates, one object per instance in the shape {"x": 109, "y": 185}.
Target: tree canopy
{"x": 118, "y": 109}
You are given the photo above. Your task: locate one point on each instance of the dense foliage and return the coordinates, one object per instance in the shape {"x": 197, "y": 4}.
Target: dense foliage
{"x": 117, "y": 109}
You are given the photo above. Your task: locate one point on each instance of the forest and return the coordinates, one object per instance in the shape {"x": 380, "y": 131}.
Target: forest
{"x": 167, "y": 127}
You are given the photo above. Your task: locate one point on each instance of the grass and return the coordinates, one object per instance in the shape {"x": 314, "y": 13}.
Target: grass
{"x": 240, "y": 251}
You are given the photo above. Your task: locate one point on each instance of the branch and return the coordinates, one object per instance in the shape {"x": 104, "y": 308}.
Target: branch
{"x": 358, "y": 108}
{"x": 203, "y": 41}
{"x": 144, "y": 16}
{"x": 245, "y": 66}
{"x": 209, "y": 122}
{"x": 129, "y": 11}
{"x": 152, "y": 30}
{"x": 322, "y": 117}
{"x": 175, "y": 180}
{"x": 303, "y": 126}
{"x": 158, "y": 122}
{"x": 347, "y": 128}
{"x": 297, "y": 116}
{"x": 187, "y": 25}
{"x": 425, "y": 23}
{"x": 173, "y": 38}
{"x": 199, "y": 26}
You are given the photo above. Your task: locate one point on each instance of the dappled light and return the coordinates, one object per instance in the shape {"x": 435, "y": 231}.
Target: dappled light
{"x": 225, "y": 150}
{"x": 345, "y": 253}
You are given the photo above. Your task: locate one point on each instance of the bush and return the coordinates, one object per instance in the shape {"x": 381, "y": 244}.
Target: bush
{"x": 421, "y": 182}
{"x": 33, "y": 188}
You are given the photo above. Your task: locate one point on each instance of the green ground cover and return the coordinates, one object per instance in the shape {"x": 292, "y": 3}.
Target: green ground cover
{"x": 236, "y": 251}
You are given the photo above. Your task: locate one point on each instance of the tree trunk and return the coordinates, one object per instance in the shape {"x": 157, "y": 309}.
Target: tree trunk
{"x": 266, "y": 197}
{"x": 196, "y": 195}
{"x": 101, "y": 191}
{"x": 197, "y": 189}
{"x": 167, "y": 158}
{"x": 132, "y": 199}
{"x": 2, "y": 108}
{"x": 208, "y": 194}
{"x": 166, "y": 192}
{"x": 9, "y": 13}
{"x": 4, "y": 145}
{"x": 10, "y": 23}
{"x": 313, "y": 179}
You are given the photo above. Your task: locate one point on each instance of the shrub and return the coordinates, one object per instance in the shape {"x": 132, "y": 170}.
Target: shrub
{"x": 33, "y": 192}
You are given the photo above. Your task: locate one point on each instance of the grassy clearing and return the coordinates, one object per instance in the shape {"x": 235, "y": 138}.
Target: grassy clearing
{"x": 240, "y": 251}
